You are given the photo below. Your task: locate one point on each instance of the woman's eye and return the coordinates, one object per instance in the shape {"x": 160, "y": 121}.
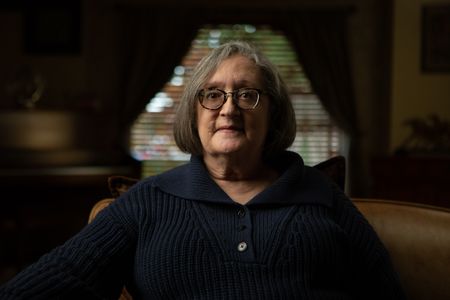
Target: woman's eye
{"x": 246, "y": 95}
{"x": 213, "y": 95}
{"x": 243, "y": 95}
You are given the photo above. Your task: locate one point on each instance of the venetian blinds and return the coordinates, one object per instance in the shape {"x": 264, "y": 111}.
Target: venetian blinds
{"x": 151, "y": 135}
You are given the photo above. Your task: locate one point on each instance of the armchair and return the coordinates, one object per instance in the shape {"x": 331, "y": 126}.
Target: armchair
{"x": 417, "y": 236}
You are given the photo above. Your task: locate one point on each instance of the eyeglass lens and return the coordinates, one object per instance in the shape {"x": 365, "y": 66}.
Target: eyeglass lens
{"x": 243, "y": 98}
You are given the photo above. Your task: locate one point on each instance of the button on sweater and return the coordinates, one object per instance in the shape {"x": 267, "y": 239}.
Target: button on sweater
{"x": 179, "y": 236}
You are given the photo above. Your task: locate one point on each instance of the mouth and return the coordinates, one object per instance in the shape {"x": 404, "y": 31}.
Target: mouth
{"x": 230, "y": 128}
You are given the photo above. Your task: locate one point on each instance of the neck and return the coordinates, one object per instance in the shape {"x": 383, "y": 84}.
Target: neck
{"x": 241, "y": 179}
{"x": 233, "y": 168}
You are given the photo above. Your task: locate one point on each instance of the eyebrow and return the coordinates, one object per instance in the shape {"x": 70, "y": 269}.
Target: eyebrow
{"x": 239, "y": 84}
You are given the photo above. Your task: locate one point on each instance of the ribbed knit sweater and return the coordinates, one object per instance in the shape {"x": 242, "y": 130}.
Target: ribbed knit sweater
{"x": 179, "y": 236}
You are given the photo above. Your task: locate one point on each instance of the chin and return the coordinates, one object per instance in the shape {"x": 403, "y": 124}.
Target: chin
{"x": 227, "y": 151}
{"x": 231, "y": 147}
{"x": 234, "y": 150}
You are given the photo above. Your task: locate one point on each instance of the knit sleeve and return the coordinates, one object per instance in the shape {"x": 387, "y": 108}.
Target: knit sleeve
{"x": 90, "y": 265}
{"x": 371, "y": 271}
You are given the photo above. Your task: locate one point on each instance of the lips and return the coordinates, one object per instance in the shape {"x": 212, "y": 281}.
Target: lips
{"x": 230, "y": 128}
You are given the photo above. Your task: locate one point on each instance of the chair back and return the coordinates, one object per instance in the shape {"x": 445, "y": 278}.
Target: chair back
{"x": 418, "y": 240}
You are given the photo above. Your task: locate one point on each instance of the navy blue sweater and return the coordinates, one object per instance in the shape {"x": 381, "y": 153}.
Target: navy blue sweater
{"x": 179, "y": 236}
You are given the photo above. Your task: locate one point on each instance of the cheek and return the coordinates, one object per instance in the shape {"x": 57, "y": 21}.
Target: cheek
{"x": 263, "y": 120}
{"x": 205, "y": 123}
{"x": 200, "y": 123}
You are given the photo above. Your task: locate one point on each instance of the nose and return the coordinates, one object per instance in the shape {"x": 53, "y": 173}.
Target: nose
{"x": 229, "y": 107}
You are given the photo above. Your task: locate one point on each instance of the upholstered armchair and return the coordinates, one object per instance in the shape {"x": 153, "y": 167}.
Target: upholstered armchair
{"x": 417, "y": 236}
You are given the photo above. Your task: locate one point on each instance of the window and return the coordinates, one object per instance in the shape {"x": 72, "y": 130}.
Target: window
{"x": 151, "y": 135}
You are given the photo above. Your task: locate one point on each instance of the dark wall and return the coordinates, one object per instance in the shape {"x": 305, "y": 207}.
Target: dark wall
{"x": 59, "y": 139}
{"x": 59, "y": 131}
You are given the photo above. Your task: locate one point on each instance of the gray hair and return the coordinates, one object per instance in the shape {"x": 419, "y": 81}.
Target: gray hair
{"x": 282, "y": 124}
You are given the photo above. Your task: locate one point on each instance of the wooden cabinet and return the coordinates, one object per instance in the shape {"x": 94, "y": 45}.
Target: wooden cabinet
{"x": 421, "y": 179}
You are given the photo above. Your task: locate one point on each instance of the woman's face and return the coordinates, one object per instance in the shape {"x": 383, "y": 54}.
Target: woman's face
{"x": 229, "y": 129}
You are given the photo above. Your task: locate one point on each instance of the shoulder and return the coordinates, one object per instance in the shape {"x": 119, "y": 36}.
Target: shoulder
{"x": 301, "y": 184}
{"x": 135, "y": 187}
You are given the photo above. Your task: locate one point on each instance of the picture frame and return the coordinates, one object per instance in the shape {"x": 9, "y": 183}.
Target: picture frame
{"x": 52, "y": 28}
{"x": 436, "y": 38}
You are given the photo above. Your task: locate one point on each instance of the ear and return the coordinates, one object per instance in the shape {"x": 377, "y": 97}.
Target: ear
{"x": 334, "y": 168}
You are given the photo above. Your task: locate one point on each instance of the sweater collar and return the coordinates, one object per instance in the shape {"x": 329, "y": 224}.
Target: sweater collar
{"x": 297, "y": 184}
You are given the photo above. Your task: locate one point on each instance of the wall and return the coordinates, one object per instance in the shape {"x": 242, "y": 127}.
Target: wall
{"x": 414, "y": 93}
{"x": 76, "y": 113}
{"x": 86, "y": 82}
{"x": 75, "y": 102}
{"x": 64, "y": 74}
{"x": 55, "y": 158}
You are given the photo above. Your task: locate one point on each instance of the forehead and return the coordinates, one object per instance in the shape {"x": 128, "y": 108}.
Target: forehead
{"x": 236, "y": 69}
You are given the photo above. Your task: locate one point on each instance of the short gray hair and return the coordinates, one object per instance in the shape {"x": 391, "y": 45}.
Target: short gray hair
{"x": 282, "y": 124}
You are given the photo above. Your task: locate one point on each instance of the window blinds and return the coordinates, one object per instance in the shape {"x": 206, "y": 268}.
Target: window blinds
{"x": 151, "y": 135}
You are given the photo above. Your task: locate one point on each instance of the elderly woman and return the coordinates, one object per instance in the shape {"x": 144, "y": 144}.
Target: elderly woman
{"x": 244, "y": 219}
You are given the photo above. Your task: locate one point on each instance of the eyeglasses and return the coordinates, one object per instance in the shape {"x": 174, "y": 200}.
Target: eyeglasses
{"x": 245, "y": 98}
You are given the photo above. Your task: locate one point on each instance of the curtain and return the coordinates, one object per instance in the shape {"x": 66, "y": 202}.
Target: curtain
{"x": 153, "y": 41}
{"x": 320, "y": 40}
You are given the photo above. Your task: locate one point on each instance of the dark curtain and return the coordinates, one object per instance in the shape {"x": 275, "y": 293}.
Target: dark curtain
{"x": 320, "y": 40}
{"x": 153, "y": 41}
